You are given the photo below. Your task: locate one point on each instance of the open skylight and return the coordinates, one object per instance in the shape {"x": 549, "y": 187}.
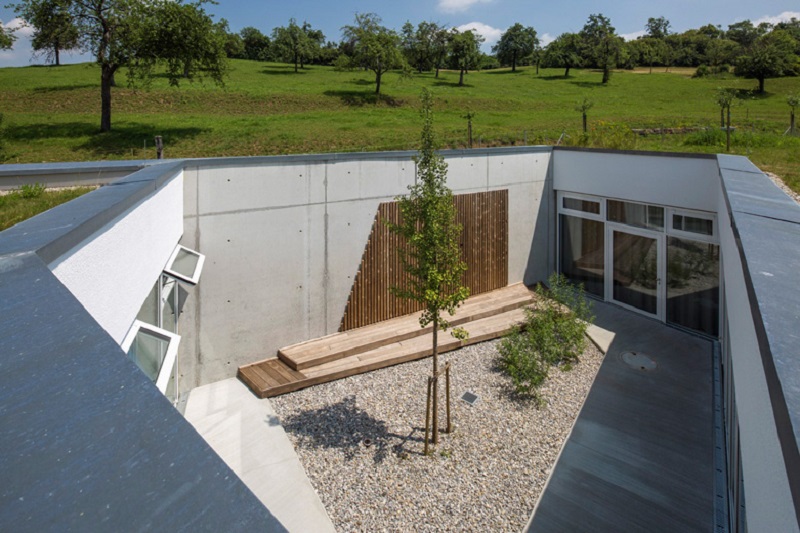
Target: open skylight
{"x": 185, "y": 264}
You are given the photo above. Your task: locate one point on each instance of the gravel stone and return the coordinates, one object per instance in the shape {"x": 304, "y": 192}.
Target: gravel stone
{"x": 485, "y": 476}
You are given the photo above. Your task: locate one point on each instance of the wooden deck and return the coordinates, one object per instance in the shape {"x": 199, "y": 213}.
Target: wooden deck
{"x": 399, "y": 340}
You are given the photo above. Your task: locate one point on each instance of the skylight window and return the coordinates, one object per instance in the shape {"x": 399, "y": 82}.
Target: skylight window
{"x": 154, "y": 351}
{"x": 185, "y": 265}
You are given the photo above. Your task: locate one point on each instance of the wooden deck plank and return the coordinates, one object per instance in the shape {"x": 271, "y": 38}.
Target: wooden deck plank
{"x": 381, "y": 357}
{"x": 304, "y": 355}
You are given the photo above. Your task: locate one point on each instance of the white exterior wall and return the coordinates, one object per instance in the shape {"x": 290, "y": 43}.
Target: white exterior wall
{"x": 112, "y": 271}
{"x": 686, "y": 182}
{"x": 283, "y": 243}
{"x": 768, "y": 499}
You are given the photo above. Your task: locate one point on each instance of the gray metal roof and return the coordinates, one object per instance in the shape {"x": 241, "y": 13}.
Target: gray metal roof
{"x": 87, "y": 443}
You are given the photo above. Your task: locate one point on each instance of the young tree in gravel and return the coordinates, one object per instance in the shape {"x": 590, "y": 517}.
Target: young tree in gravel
{"x": 517, "y": 43}
{"x": 53, "y": 28}
{"x": 431, "y": 255}
{"x": 375, "y": 47}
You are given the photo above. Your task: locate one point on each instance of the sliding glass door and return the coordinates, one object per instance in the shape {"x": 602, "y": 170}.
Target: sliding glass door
{"x": 636, "y": 270}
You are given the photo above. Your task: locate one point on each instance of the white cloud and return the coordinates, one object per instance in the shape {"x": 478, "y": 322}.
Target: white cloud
{"x": 633, "y": 36}
{"x": 783, "y": 17}
{"x": 492, "y": 35}
{"x": 20, "y": 27}
{"x": 456, "y": 6}
{"x": 545, "y": 39}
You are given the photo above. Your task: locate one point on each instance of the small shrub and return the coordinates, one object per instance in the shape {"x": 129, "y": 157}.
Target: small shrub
{"x": 706, "y": 137}
{"x": 702, "y": 72}
{"x": 553, "y": 334}
{"x": 32, "y": 190}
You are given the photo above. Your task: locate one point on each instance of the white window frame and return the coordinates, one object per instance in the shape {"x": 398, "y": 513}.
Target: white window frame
{"x": 583, "y": 214}
{"x": 170, "y": 357}
{"x": 688, "y": 235}
{"x": 195, "y": 277}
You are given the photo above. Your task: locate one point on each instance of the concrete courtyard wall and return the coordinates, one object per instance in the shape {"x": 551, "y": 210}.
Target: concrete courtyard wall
{"x": 284, "y": 237}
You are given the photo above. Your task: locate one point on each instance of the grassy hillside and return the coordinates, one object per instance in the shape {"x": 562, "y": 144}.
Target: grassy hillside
{"x": 52, "y": 113}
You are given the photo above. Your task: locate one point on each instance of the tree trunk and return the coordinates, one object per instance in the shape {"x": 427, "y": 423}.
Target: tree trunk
{"x": 537, "y": 67}
{"x": 722, "y": 117}
{"x": 436, "y": 380}
{"x": 378, "y": 82}
{"x": 295, "y": 63}
{"x": 728, "y": 130}
{"x": 566, "y": 72}
{"x": 106, "y": 81}
{"x": 791, "y": 123}
{"x": 57, "y": 56}
{"x": 514, "y": 62}
{"x": 761, "y": 85}
{"x": 437, "y": 71}
{"x": 606, "y": 74}
{"x": 584, "y": 122}
{"x": 461, "y": 78}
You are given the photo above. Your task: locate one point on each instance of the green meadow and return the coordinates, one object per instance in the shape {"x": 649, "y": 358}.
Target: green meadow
{"x": 53, "y": 113}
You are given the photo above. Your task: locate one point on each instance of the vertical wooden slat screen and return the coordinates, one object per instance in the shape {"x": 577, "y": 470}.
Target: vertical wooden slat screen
{"x": 484, "y": 244}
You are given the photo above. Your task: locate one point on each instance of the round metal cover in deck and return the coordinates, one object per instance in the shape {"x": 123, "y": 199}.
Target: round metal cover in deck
{"x": 639, "y": 361}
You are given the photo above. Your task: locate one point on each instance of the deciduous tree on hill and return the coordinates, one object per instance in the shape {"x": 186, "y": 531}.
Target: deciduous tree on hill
{"x": 7, "y": 37}
{"x": 375, "y": 47}
{"x": 517, "y": 43}
{"x": 140, "y": 35}
{"x": 770, "y": 56}
{"x": 564, "y": 52}
{"x": 256, "y": 44}
{"x": 292, "y": 44}
{"x": 53, "y": 28}
{"x": 602, "y": 44}
{"x": 465, "y": 51}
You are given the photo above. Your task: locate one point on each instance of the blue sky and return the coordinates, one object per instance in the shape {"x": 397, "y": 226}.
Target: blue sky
{"x": 489, "y": 17}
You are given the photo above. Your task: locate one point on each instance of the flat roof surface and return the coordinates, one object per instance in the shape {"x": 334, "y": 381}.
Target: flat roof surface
{"x": 641, "y": 453}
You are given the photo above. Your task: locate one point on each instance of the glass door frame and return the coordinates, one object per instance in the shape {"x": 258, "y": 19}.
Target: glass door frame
{"x": 661, "y": 267}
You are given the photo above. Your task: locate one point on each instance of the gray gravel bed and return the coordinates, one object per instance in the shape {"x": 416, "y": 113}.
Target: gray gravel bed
{"x": 485, "y": 476}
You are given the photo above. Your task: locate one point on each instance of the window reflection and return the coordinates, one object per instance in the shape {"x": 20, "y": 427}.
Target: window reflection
{"x": 583, "y": 252}
{"x": 693, "y": 285}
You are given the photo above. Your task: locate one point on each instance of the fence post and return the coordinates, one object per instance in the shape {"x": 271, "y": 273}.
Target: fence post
{"x": 159, "y": 147}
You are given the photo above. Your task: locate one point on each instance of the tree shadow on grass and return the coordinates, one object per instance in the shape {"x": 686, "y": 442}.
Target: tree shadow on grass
{"x": 60, "y": 88}
{"x": 503, "y": 71}
{"x": 346, "y": 427}
{"x": 451, "y": 84}
{"x": 555, "y": 77}
{"x": 359, "y": 99}
{"x": 588, "y": 84}
{"x": 287, "y": 70}
{"x": 119, "y": 141}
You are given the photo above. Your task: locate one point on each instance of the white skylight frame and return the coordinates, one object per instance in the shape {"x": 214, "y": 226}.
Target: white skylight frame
{"x": 195, "y": 276}
{"x": 171, "y": 355}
